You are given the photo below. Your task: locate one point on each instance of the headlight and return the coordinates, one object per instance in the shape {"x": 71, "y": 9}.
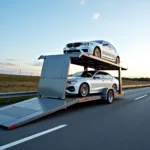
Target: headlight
{"x": 72, "y": 82}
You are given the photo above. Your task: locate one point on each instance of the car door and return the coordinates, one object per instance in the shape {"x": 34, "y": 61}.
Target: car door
{"x": 112, "y": 52}
{"x": 97, "y": 83}
{"x": 106, "y": 52}
{"x": 108, "y": 80}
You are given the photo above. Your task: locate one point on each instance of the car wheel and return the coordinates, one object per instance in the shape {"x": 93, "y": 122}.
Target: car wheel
{"x": 84, "y": 90}
{"x": 110, "y": 96}
{"x": 97, "y": 52}
{"x": 117, "y": 60}
{"x": 114, "y": 87}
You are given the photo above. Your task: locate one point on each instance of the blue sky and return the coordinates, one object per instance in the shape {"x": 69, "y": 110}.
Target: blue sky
{"x": 30, "y": 28}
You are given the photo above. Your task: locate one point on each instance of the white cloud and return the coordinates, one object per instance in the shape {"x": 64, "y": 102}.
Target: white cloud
{"x": 82, "y": 2}
{"x": 38, "y": 64}
{"x": 96, "y": 15}
{"x": 10, "y": 59}
{"x": 7, "y": 64}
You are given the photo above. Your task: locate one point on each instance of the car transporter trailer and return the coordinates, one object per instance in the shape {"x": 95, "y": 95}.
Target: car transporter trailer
{"x": 51, "y": 89}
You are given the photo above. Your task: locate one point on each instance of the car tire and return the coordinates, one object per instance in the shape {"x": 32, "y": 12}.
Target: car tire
{"x": 97, "y": 52}
{"x": 114, "y": 87}
{"x": 117, "y": 60}
{"x": 84, "y": 90}
{"x": 110, "y": 96}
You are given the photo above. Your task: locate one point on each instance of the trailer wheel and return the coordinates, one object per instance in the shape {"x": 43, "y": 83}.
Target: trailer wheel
{"x": 110, "y": 96}
{"x": 84, "y": 90}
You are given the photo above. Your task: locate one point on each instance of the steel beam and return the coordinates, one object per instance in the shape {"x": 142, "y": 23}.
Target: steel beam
{"x": 120, "y": 80}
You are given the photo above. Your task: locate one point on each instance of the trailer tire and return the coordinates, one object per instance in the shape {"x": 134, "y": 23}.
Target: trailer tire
{"x": 110, "y": 96}
{"x": 84, "y": 90}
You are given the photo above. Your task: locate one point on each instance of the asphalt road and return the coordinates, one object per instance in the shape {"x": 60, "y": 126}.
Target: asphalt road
{"x": 123, "y": 125}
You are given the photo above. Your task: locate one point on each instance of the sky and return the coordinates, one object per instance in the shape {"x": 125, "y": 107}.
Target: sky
{"x": 31, "y": 28}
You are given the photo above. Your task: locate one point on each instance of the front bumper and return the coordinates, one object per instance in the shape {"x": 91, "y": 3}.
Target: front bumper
{"x": 72, "y": 90}
{"x": 80, "y": 49}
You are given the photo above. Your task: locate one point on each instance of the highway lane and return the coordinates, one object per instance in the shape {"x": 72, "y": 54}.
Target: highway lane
{"x": 122, "y": 125}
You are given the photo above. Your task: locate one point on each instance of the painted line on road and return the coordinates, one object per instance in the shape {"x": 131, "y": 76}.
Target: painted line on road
{"x": 31, "y": 137}
{"x": 140, "y": 97}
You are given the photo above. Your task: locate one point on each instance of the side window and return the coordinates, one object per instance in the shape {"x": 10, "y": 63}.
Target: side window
{"x": 109, "y": 45}
{"x": 112, "y": 47}
{"x": 105, "y": 44}
{"x": 107, "y": 76}
{"x": 110, "y": 77}
{"x": 100, "y": 75}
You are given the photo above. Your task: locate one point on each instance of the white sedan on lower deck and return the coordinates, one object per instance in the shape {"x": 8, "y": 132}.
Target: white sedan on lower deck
{"x": 88, "y": 82}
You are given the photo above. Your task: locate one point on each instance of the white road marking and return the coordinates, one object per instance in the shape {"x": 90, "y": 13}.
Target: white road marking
{"x": 31, "y": 137}
{"x": 140, "y": 97}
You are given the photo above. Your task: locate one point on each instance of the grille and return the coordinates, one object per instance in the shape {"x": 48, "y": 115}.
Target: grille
{"x": 73, "y": 45}
{"x": 85, "y": 50}
{"x": 71, "y": 51}
{"x": 71, "y": 89}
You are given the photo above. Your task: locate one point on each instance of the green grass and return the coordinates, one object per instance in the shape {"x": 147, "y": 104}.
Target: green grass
{"x": 132, "y": 82}
{"x": 14, "y": 100}
{"x": 14, "y": 83}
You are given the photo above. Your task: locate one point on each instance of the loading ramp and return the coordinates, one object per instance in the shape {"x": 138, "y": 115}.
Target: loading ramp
{"x": 51, "y": 89}
{"x": 23, "y": 112}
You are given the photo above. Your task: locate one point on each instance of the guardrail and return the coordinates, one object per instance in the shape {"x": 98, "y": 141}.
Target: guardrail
{"x": 17, "y": 94}
{"x": 8, "y": 95}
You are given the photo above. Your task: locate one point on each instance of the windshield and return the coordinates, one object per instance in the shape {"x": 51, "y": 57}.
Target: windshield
{"x": 84, "y": 74}
{"x": 98, "y": 41}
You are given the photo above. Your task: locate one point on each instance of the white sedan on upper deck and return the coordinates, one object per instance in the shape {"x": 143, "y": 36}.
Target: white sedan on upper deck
{"x": 99, "y": 48}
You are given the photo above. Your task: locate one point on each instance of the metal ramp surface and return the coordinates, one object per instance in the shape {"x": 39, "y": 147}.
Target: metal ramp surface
{"x": 24, "y": 112}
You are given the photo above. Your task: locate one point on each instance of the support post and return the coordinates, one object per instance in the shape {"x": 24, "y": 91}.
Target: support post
{"x": 120, "y": 80}
{"x": 85, "y": 68}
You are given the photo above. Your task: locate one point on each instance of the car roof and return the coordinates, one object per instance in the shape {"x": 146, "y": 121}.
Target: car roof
{"x": 103, "y": 72}
{"x": 97, "y": 40}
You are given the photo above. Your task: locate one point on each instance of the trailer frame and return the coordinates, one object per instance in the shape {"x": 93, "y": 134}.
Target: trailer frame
{"x": 51, "y": 89}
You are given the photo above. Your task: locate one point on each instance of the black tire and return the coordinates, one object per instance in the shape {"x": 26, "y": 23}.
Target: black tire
{"x": 110, "y": 96}
{"x": 117, "y": 60}
{"x": 114, "y": 87}
{"x": 84, "y": 90}
{"x": 97, "y": 52}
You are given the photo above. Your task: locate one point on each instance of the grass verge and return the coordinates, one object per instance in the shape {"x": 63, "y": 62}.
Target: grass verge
{"x": 14, "y": 100}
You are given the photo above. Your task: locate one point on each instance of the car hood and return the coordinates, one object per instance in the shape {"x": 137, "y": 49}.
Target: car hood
{"x": 74, "y": 78}
{"x": 80, "y": 42}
